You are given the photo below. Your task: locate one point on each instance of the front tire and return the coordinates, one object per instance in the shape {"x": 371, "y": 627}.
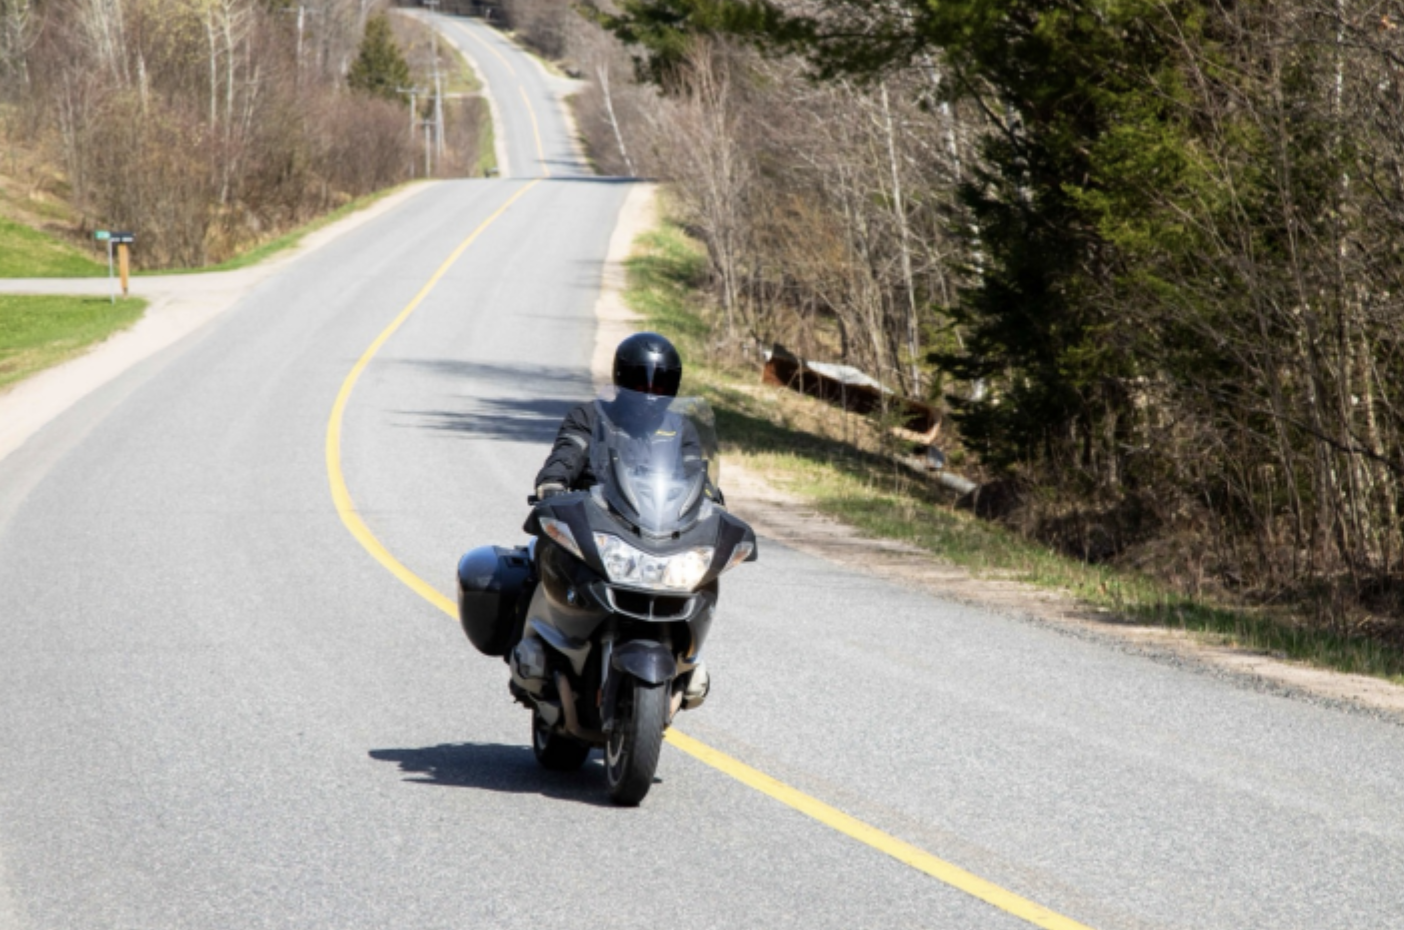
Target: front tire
{"x": 631, "y": 754}
{"x": 555, "y": 751}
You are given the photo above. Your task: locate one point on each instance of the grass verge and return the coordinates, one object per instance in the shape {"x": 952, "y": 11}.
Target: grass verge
{"x": 26, "y": 252}
{"x": 458, "y": 76}
{"x": 38, "y": 332}
{"x": 487, "y": 146}
{"x": 768, "y": 430}
{"x": 416, "y": 39}
{"x": 287, "y": 240}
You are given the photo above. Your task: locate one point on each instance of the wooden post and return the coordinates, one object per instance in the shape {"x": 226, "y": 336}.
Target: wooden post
{"x": 122, "y": 265}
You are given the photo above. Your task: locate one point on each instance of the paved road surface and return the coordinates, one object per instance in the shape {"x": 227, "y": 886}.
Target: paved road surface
{"x": 529, "y": 118}
{"x": 218, "y": 711}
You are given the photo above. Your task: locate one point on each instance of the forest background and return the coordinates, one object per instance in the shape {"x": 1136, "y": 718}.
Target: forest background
{"x": 1145, "y": 255}
{"x": 212, "y": 126}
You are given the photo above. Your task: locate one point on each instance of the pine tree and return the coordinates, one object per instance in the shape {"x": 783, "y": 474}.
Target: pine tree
{"x": 1069, "y": 85}
{"x": 379, "y": 68}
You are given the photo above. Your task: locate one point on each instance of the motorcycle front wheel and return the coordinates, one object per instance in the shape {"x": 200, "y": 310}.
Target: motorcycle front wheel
{"x": 631, "y": 754}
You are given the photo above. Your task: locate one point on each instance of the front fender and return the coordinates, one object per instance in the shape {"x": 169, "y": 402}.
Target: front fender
{"x": 646, "y": 660}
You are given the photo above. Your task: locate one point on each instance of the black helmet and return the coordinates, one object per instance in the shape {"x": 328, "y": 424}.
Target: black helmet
{"x": 647, "y": 363}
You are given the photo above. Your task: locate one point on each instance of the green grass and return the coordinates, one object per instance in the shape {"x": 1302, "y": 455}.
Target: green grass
{"x": 37, "y": 332}
{"x": 461, "y": 79}
{"x": 464, "y": 80}
{"x": 487, "y": 146}
{"x": 28, "y": 253}
{"x": 869, "y": 492}
{"x": 287, "y": 240}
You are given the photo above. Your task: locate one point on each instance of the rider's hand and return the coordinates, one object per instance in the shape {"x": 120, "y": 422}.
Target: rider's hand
{"x": 549, "y": 489}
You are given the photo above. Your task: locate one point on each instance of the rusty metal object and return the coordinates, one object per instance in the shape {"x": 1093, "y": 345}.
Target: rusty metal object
{"x": 846, "y": 387}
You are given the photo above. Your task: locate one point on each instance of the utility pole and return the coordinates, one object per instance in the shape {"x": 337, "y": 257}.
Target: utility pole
{"x": 428, "y": 150}
{"x": 414, "y": 123}
{"x": 438, "y": 86}
{"x": 438, "y": 115}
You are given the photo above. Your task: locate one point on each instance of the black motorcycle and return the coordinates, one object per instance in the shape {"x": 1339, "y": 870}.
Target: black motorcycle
{"x": 603, "y": 615}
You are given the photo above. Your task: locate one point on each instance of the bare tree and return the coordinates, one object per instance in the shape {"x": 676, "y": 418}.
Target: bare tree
{"x": 16, "y": 39}
{"x": 190, "y": 121}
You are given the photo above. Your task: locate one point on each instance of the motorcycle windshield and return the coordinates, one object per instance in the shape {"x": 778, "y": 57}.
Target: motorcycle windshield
{"x": 655, "y": 458}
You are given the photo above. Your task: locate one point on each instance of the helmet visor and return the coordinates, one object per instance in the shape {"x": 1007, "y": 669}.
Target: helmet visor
{"x": 649, "y": 378}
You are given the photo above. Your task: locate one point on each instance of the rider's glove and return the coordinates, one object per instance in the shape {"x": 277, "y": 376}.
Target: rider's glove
{"x": 549, "y": 489}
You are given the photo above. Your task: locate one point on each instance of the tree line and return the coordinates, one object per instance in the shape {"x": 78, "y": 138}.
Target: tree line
{"x": 1145, "y": 252}
{"x": 205, "y": 125}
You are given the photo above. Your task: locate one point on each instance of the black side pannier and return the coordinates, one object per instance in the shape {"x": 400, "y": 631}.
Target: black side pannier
{"x": 490, "y": 581}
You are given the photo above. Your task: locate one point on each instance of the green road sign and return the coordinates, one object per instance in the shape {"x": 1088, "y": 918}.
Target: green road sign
{"x": 102, "y": 235}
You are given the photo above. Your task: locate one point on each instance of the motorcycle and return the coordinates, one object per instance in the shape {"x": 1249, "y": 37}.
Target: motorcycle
{"x": 603, "y": 615}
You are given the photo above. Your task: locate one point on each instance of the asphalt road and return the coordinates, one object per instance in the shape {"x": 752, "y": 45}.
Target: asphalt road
{"x": 218, "y": 711}
{"x": 526, "y": 111}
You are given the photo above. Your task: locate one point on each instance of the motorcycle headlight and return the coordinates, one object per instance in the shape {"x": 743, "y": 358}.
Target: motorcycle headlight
{"x": 681, "y": 571}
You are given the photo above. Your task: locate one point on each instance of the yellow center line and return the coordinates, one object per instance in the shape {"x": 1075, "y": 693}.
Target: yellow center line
{"x": 536, "y": 131}
{"x": 812, "y": 807}
{"x": 919, "y": 859}
{"x": 341, "y": 496}
{"x": 488, "y": 45}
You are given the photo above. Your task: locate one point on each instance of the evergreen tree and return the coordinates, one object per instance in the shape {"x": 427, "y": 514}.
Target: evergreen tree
{"x": 662, "y": 30}
{"x": 379, "y": 68}
{"x": 1082, "y": 95}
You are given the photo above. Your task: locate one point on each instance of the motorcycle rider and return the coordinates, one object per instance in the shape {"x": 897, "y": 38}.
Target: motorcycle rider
{"x": 646, "y": 364}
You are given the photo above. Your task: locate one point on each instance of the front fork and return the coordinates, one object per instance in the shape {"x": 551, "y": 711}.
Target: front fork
{"x": 609, "y": 684}
{"x": 649, "y": 661}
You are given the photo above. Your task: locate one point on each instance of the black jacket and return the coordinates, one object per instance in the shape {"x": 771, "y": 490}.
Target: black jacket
{"x": 569, "y": 462}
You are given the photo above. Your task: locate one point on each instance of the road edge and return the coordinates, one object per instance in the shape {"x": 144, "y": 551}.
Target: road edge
{"x": 562, "y": 88}
{"x": 499, "y": 137}
{"x": 171, "y": 315}
{"x": 614, "y": 320}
